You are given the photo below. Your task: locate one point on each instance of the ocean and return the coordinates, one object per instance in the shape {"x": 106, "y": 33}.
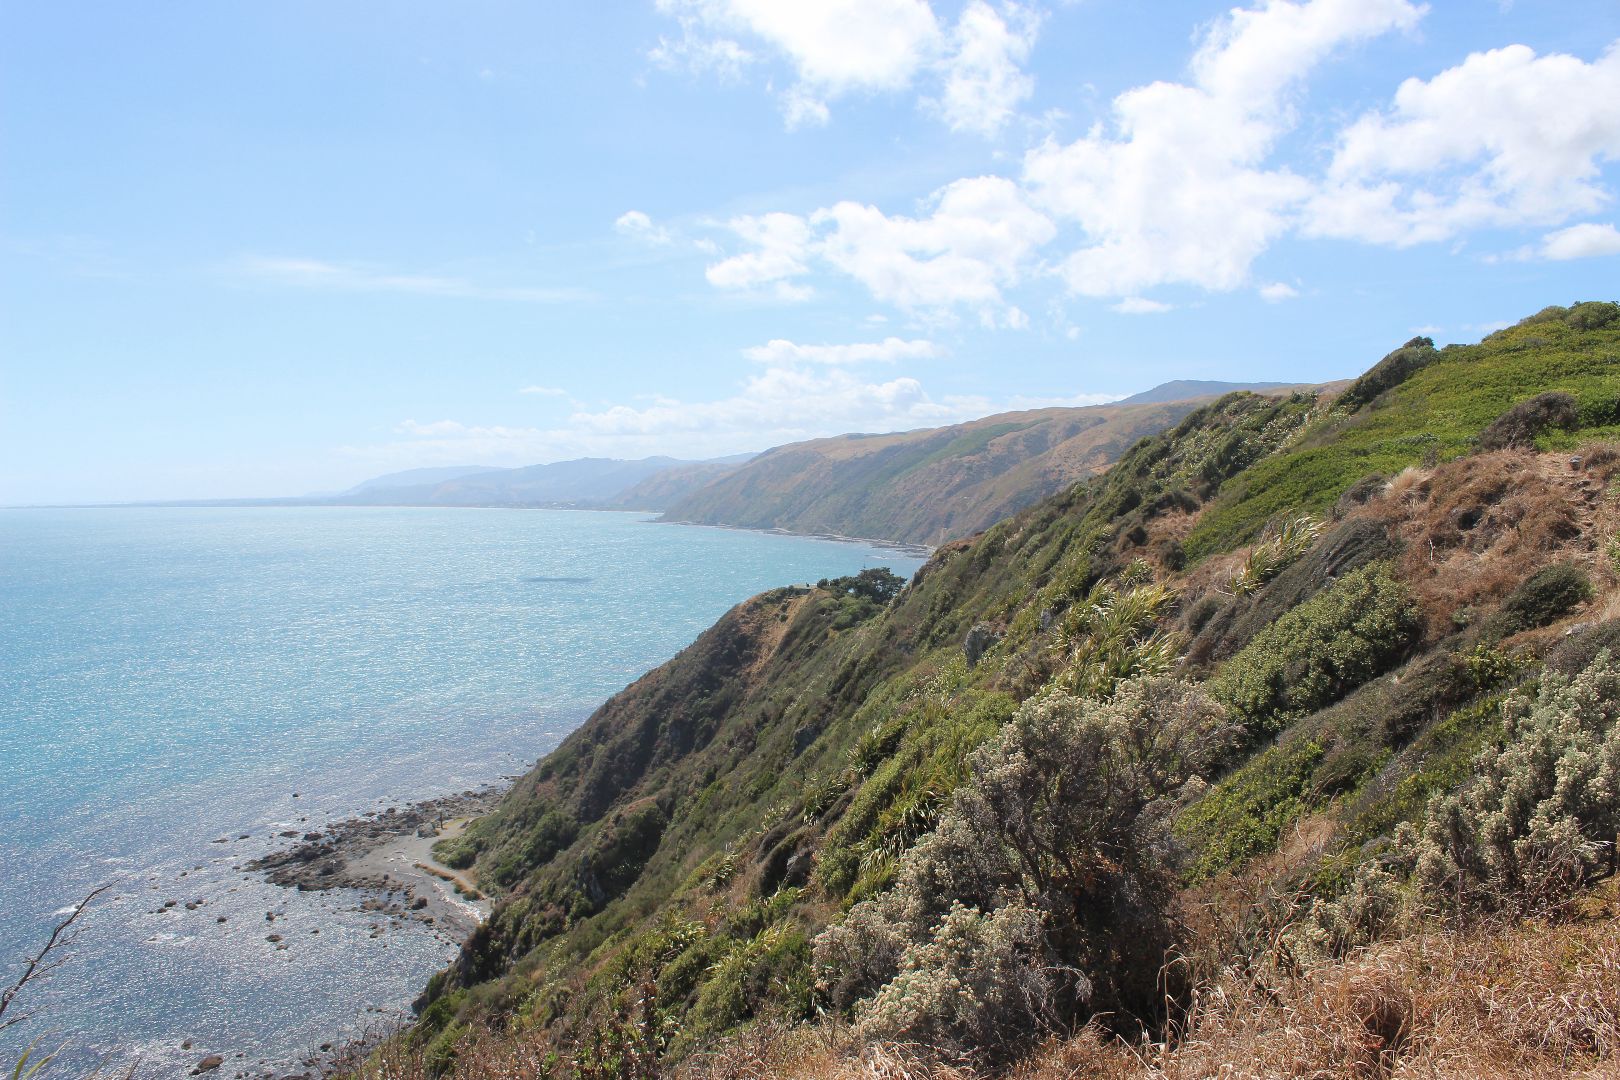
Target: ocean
{"x": 174, "y": 680}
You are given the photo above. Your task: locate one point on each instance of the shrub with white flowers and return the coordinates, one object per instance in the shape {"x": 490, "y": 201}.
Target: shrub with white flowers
{"x": 1540, "y": 817}
{"x": 1041, "y": 896}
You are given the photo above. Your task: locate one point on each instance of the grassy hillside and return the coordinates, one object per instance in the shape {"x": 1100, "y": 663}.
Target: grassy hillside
{"x": 929, "y": 486}
{"x": 1175, "y": 730}
{"x": 665, "y": 489}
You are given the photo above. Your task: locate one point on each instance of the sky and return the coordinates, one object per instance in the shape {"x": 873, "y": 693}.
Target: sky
{"x": 277, "y": 247}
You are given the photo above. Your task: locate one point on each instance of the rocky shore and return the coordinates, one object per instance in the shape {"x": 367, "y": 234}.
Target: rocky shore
{"x": 389, "y": 854}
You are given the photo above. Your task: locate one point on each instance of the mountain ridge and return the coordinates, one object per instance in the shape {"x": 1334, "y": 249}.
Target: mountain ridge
{"x": 931, "y": 485}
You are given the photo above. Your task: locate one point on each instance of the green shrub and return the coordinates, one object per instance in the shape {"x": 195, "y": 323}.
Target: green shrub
{"x": 1041, "y": 895}
{"x": 1319, "y": 651}
{"x": 1522, "y": 422}
{"x": 1545, "y": 597}
{"x": 1389, "y": 373}
{"x": 1246, "y": 813}
{"x": 1541, "y": 816}
{"x": 1437, "y": 761}
{"x": 1592, "y": 315}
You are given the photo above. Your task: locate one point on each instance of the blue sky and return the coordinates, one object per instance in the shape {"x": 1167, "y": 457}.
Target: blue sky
{"x": 269, "y": 248}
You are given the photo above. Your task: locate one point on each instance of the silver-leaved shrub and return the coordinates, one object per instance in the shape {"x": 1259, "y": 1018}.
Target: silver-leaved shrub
{"x": 1040, "y": 898}
{"x": 1540, "y": 817}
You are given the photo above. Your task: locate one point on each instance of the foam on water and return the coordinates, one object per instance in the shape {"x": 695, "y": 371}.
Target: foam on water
{"x": 171, "y": 678}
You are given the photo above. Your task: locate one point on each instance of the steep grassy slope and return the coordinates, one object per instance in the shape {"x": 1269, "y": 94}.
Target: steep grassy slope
{"x": 811, "y": 759}
{"x": 663, "y": 490}
{"x": 925, "y": 487}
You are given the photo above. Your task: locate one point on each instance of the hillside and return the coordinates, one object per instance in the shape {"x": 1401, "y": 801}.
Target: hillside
{"x": 1187, "y": 389}
{"x": 414, "y": 478}
{"x": 1191, "y": 754}
{"x": 663, "y": 490}
{"x": 932, "y": 485}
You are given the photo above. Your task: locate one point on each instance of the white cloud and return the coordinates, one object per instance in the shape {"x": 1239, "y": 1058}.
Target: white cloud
{"x": 780, "y": 352}
{"x": 781, "y": 247}
{"x": 344, "y": 277}
{"x": 802, "y": 108}
{"x": 795, "y": 402}
{"x": 1586, "y": 241}
{"x": 976, "y": 240}
{"x": 1506, "y": 138}
{"x": 1137, "y": 305}
{"x": 638, "y": 226}
{"x": 543, "y": 391}
{"x": 1177, "y": 189}
{"x": 984, "y": 78}
{"x": 835, "y": 48}
{"x": 722, "y": 56}
{"x": 1186, "y": 183}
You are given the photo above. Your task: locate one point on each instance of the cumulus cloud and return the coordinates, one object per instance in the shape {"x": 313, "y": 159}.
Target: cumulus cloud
{"x": 1177, "y": 188}
{"x": 349, "y": 277}
{"x": 802, "y": 392}
{"x": 1586, "y": 241}
{"x": 974, "y": 240}
{"x": 780, "y": 404}
{"x": 638, "y": 226}
{"x": 780, "y": 352}
{"x": 781, "y": 246}
{"x": 1189, "y": 182}
{"x": 984, "y": 77}
{"x": 839, "y": 47}
{"x": 1506, "y": 138}
{"x": 834, "y": 46}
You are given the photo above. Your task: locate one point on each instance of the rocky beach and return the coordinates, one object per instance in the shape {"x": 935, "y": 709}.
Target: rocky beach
{"x": 388, "y": 855}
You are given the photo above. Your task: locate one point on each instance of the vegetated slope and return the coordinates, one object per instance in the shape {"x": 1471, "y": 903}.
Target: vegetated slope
{"x": 928, "y": 486}
{"x": 1166, "y": 728}
{"x": 665, "y": 489}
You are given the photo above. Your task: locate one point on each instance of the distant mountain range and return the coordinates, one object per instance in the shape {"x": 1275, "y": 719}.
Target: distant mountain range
{"x": 1187, "y": 389}
{"x": 599, "y": 483}
{"x": 916, "y": 487}
{"x": 937, "y": 484}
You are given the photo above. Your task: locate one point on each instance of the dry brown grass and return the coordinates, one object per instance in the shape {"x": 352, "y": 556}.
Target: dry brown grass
{"x": 1474, "y": 528}
{"x": 1532, "y": 1001}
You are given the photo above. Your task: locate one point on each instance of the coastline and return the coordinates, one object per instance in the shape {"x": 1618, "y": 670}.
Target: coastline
{"x": 913, "y": 551}
{"x": 388, "y": 855}
{"x": 653, "y": 517}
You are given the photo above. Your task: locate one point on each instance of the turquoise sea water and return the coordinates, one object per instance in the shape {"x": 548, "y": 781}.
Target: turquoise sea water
{"x": 169, "y": 677}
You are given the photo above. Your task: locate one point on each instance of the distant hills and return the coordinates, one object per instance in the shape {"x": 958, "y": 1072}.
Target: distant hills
{"x": 920, "y": 487}
{"x": 411, "y": 478}
{"x": 585, "y": 482}
{"x": 1187, "y": 389}
{"x": 937, "y": 484}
